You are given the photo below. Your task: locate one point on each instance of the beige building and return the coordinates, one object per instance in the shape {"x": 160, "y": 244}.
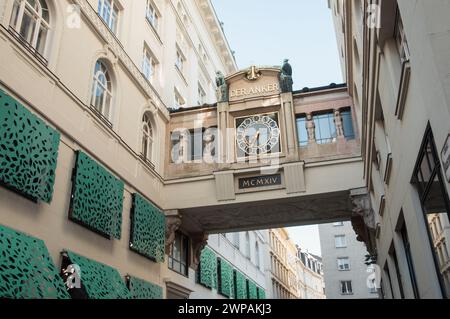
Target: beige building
{"x": 395, "y": 60}
{"x": 129, "y": 138}
{"x": 293, "y": 274}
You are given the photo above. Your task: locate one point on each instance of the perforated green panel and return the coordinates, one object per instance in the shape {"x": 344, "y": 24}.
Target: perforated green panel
{"x": 100, "y": 281}
{"x": 141, "y": 289}
{"x": 208, "y": 268}
{"x": 148, "y": 229}
{"x": 252, "y": 290}
{"x": 97, "y": 198}
{"x": 28, "y": 151}
{"x": 261, "y": 293}
{"x": 26, "y": 269}
{"x": 240, "y": 285}
{"x": 226, "y": 279}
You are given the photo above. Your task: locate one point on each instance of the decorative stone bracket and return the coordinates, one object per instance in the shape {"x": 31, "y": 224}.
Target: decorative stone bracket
{"x": 199, "y": 242}
{"x": 363, "y": 218}
{"x": 173, "y": 223}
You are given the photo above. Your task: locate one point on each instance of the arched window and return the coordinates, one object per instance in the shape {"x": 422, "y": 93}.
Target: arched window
{"x": 257, "y": 256}
{"x": 102, "y": 93}
{"x": 31, "y": 20}
{"x": 247, "y": 245}
{"x": 147, "y": 137}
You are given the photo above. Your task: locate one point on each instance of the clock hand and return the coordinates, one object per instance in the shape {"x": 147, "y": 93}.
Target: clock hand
{"x": 255, "y": 138}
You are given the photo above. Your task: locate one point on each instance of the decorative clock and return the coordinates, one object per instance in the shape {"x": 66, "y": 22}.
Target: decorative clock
{"x": 258, "y": 135}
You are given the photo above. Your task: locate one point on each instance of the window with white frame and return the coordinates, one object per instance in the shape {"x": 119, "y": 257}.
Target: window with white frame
{"x": 102, "y": 91}
{"x": 400, "y": 38}
{"x": 152, "y": 14}
{"x": 179, "y": 100}
{"x": 340, "y": 241}
{"x": 149, "y": 64}
{"x": 147, "y": 137}
{"x": 201, "y": 95}
{"x": 31, "y": 20}
{"x": 346, "y": 287}
{"x": 108, "y": 10}
{"x": 343, "y": 263}
{"x": 179, "y": 60}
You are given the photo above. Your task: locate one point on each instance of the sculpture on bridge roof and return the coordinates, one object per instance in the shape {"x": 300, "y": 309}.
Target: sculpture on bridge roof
{"x": 222, "y": 87}
{"x": 286, "y": 82}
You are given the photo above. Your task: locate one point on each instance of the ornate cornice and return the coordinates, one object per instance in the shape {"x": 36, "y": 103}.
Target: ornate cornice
{"x": 217, "y": 35}
{"x": 117, "y": 49}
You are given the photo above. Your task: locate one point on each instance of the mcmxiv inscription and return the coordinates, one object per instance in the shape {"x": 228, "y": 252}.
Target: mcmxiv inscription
{"x": 259, "y": 181}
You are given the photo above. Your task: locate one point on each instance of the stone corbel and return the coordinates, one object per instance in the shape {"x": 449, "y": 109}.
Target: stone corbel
{"x": 363, "y": 218}
{"x": 173, "y": 223}
{"x": 199, "y": 242}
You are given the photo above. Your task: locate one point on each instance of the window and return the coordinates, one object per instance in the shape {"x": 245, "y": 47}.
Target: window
{"x": 149, "y": 64}
{"x": 400, "y": 38}
{"x": 388, "y": 274}
{"x": 347, "y": 124}
{"x": 178, "y": 254}
{"x": 152, "y": 15}
{"x": 179, "y": 100}
{"x": 343, "y": 263}
{"x": 302, "y": 131}
{"x": 31, "y": 20}
{"x": 340, "y": 241}
{"x": 102, "y": 95}
{"x": 109, "y": 12}
{"x": 407, "y": 246}
{"x": 147, "y": 137}
{"x": 325, "y": 128}
{"x": 393, "y": 255}
{"x": 179, "y": 61}
{"x": 338, "y": 224}
{"x": 247, "y": 245}
{"x": 346, "y": 288}
{"x": 201, "y": 95}
{"x": 257, "y": 255}
{"x": 194, "y": 145}
{"x": 429, "y": 183}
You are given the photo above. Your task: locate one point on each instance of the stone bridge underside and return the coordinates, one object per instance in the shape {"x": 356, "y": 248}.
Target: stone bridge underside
{"x": 309, "y": 194}
{"x": 273, "y": 213}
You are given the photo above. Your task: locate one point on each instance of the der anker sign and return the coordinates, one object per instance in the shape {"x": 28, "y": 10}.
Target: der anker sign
{"x": 259, "y": 181}
{"x": 256, "y": 90}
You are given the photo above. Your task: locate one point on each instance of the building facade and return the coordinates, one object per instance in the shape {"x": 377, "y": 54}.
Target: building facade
{"x": 292, "y": 274}
{"x": 130, "y": 140}
{"x": 93, "y": 82}
{"x": 311, "y": 275}
{"x": 346, "y": 274}
{"x": 394, "y": 54}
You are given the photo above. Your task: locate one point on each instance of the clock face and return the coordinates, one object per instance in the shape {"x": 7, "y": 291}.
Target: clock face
{"x": 258, "y": 135}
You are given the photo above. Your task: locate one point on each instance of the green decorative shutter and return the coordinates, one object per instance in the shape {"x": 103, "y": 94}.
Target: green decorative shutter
{"x": 28, "y": 151}
{"x": 141, "y": 289}
{"x": 97, "y": 198}
{"x": 261, "y": 293}
{"x": 252, "y": 290}
{"x": 148, "y": 229}
{"x": 26, "y": 269}
{"x": 208, "y": 269}
{"x": 98, "y": 280}
{"x": 226, "y": 274}
{"x": 240, "y": 285}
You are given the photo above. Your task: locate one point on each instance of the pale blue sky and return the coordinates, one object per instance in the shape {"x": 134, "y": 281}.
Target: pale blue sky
{"x": 265, "y": 32}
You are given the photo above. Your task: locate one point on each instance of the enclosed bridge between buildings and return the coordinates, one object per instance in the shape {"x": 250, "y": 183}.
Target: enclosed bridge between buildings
{"x": 278, "y": 157}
